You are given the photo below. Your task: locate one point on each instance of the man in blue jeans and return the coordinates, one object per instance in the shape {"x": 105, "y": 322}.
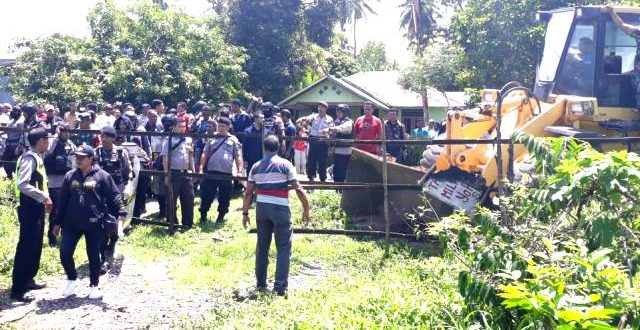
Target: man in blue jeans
{"x": 271, "y": 179}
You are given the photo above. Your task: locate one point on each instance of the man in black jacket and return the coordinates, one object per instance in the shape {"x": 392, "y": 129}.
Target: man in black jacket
{"x": 88, "y": 195}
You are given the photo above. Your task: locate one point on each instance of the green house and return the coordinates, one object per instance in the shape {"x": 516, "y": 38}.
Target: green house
{"x": 381, "y": 88}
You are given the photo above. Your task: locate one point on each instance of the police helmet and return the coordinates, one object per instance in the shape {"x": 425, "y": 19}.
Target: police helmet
{"x": 344, "y": 108}
{"x": 169, "y": 121}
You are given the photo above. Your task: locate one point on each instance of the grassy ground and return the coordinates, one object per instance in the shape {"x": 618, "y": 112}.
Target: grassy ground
{"x": 355, "y": 283}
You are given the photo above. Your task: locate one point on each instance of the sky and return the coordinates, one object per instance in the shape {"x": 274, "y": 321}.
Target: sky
{"x": 39, "y": 18}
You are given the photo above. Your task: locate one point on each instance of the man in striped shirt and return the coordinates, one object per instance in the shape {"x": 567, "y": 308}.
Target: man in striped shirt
{"x": 271, "y": 179}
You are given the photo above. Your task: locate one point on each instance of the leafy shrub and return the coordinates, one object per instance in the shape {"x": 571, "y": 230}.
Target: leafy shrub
{"x": 564, "y": 254}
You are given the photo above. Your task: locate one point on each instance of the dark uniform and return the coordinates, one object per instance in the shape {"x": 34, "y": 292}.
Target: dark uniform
{"x": 252, "y": 144}
{"x": 395, "y": 131}
{"x": 58, "y": 160}
{"x": 31, "y": 192}
{"x": 115, "y": 162}
{"x": 342, "y": 154}
{"x": 81, "y": 199}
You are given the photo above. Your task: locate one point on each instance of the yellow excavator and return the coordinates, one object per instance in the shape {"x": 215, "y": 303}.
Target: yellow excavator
{"x": 583, "y": 89}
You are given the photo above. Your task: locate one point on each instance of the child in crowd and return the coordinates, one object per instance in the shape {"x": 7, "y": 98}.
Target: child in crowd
{"x": 300, "y": 147}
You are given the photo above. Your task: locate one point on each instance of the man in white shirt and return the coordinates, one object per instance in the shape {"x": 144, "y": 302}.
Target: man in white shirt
{"x": 318, "y": 150}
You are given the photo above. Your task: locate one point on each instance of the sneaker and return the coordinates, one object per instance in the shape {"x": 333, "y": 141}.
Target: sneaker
{"x": 23, "y": 298}
{"x": 70, "y": 290}
{"x": 104, "y": 268}
{"x": 94, "y": 292}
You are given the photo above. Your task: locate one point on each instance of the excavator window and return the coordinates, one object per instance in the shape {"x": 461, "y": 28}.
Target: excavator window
{"x": 619, "y": 51}
{"x": 554, "y": 44}
{"x": 577, "y": 73}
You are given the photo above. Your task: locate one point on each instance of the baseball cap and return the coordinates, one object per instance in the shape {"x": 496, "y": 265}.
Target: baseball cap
{"x": 84, "y": 150}
{"x": 108, "y": 131}
{"x": 323, "y": 103}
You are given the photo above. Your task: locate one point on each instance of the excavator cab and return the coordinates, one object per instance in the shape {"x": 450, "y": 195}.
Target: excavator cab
{"x": 587, "y": 54}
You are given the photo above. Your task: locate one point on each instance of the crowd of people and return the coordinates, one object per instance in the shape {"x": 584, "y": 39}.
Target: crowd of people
{"x": 59, "y": 168}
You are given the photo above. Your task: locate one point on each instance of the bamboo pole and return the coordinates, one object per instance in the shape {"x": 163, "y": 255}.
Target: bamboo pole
{"x": 385, "y": 182}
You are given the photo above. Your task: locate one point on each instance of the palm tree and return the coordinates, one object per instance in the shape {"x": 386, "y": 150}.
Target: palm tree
{"x": 419, "y": 19}
{"x": 350, "y": 12}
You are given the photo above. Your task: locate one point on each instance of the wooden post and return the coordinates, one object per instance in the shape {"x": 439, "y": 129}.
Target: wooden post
{"x": 169, "y": 189}
{"x": 385, "y": 182}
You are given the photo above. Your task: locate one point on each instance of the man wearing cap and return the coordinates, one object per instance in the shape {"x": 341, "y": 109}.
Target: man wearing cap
{"x": 88, "y": 196}
{"x": 58, "y": 160}
{"x": 115, "y": 161}
{"x": 368, "y": 127}
{"x": 318, "y": 150}
{"x": 252, "y": 141}
{"x": 239, "y": 118}
{"x": 218, "y": 158}
{"x": 87, "y": 138}
{"x": 343, "y": 129}
{"x": 180, "y": 161}
{"x": 33, "y": 197}
{"x": 52, "y": 119}
{"x": 394, "y": 130}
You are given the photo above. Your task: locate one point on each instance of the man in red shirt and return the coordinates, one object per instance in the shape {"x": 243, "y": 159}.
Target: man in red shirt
{"x": 368, "y": 127}
{"x": 183, "y": 114}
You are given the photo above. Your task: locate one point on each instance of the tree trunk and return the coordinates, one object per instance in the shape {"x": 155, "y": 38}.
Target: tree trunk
{"x": 425, "y": 107}
{"x": 355, "y": 43}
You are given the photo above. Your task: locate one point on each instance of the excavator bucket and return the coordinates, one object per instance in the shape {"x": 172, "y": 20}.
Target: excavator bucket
{"x": 366, "y": 207}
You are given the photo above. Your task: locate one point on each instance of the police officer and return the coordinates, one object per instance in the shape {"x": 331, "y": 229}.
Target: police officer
{"x": 181, "y": 161}
{"x": 217, "y": 158}
{"x": 115, "y": 161}
{"x": 58, "y": 160}
{"x": 88, "y": 196}
{"x": 33, "y": 197}
{"x": 343, "y": 129}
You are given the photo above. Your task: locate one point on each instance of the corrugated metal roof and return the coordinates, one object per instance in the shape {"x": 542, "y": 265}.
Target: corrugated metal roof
{"x": 383, "y": 85}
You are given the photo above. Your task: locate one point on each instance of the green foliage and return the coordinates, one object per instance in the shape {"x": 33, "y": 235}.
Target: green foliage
{"x": 566, "y": 253}
{"x": 420, "y": 23}
{"x": 373, "y": 57}
{"x": 438, "y": 67}
{"x": 59, "y": 68}
{"x": 270, "y": 32}
{"x": 135, "y": 55}
{"x": 341, "y": 63}
{"x": 501, "y": 39}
